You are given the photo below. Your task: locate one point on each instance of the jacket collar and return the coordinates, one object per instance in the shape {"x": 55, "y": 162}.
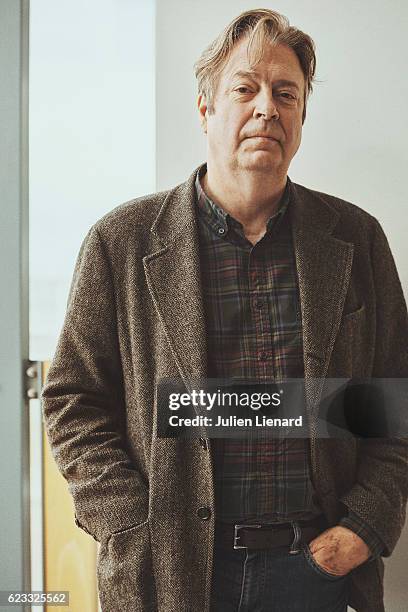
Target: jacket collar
{"x": 177, "y": 213}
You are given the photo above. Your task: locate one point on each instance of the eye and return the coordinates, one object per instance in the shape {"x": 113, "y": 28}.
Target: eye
{"x": 287, "y": 95}
{"x": 243, "y": 89}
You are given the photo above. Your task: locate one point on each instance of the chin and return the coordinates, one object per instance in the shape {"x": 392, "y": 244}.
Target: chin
{"x": 260, "y": 165}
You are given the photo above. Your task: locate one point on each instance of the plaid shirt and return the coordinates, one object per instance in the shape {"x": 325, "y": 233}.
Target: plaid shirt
{"x": 254, "y": 331}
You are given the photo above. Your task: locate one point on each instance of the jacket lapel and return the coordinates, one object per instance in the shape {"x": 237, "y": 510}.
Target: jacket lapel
{"x": 172, "y": 271}
{"x": 324, "y": 267}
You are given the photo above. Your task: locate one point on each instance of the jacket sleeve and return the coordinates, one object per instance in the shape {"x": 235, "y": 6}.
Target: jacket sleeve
{"x": 379, "y": 496}
{"x": 354, "y": 523}
{"x": 83, "y": 403}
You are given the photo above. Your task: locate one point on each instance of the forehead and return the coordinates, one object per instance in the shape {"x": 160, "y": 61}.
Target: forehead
{"x": 277, "y": 62}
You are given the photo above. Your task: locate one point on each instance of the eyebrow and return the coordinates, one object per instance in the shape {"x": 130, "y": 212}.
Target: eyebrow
{"x": 252, "y": 73}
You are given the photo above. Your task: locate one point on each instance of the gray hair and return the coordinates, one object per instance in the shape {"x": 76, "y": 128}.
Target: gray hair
{"x": 262, "y": 26}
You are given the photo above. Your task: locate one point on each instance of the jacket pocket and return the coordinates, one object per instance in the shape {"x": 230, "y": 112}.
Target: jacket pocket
{"x": 349, "y": 316}
{"x": 125, "y": 572}
{"x": 348, "y": 355}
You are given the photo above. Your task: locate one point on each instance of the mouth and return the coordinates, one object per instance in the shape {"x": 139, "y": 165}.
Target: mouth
{"x": 263, "y": 142}
{"x": 260, "y": 137}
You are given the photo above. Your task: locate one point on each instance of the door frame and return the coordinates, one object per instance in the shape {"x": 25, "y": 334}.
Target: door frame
{"x": 15, "y": 570}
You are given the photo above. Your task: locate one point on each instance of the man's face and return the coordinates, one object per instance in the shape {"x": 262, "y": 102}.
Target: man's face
{"x": 257, "y": 119}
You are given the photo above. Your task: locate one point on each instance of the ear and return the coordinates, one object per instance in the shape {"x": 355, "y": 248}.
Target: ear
{"x": 202, "y": 111}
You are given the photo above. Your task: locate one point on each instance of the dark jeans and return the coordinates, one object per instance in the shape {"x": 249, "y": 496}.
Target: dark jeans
{"x": 272, "y": 580}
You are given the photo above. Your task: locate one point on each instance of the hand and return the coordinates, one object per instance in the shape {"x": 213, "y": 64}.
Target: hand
{"x": 338, "y": 550}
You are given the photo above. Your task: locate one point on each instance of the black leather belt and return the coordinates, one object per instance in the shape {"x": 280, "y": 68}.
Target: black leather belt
{"x": 267, "y": 536}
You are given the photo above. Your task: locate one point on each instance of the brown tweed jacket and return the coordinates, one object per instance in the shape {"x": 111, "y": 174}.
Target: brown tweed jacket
{"x": 135, "y": 315}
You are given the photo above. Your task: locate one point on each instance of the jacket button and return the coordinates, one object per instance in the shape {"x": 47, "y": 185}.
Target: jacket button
{"x": 204, "y": 513}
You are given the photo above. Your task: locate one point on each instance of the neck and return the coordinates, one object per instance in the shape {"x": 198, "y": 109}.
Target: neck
{"x": 250, "y": 197}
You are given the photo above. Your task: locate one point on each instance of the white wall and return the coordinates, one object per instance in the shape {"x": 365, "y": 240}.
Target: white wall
{"x": 92, "y": 136}
{"x": 354, "y": 138}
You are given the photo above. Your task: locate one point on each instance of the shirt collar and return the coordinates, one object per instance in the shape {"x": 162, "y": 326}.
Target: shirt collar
{"x": 221, "y": 221}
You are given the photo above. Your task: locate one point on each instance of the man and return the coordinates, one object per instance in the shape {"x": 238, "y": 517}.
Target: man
{"x": 238, "y": 272}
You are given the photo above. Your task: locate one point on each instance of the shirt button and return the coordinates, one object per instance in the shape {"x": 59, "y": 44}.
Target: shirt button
{"x": 204, "y": 513}
{"x": 263, "y": 356}
{"x": 221, "y": 230}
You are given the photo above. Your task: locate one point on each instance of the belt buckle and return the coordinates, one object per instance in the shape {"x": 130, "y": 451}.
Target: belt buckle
{"x": 236, "y": 534}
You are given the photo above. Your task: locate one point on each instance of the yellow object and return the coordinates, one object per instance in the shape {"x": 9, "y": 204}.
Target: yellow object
{"x": 70, "y": 554}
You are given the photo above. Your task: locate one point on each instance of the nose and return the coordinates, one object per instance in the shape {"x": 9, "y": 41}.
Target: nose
{"x": 265, "y": 107}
